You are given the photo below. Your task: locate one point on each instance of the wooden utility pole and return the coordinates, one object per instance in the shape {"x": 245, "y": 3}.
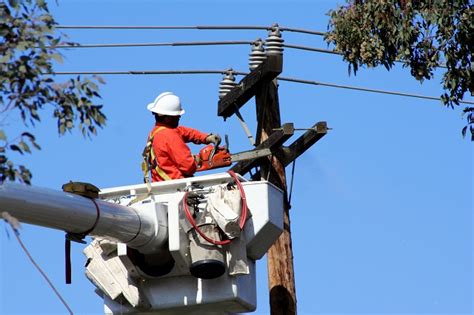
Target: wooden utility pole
{"x": 281, "y": 279}
{"x": 262, "y": 84}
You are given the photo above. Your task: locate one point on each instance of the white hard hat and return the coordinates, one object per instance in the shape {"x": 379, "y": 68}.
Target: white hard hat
{"x": 166, "y": 104}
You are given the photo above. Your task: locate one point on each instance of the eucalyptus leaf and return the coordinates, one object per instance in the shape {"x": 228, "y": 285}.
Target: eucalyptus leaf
{"x": 14, "y": 147}
{"x": 418, "y": 33}
{"x": 24, "y": 147}
{"x": 57, "y": 57}
{"x": 26, "y": 86}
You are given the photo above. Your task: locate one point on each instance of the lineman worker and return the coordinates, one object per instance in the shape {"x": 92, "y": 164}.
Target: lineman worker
{"x": 166, "y": 154}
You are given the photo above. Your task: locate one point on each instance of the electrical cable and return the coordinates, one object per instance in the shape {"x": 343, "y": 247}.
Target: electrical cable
{"x": 208, "y": 43}
{"x": 243, "y": 213}
{"x": 270, "y": 158}
{"x": 340, "y": 86}
{"x": 202, "y": 27}
{"x": 7, "y": 219}
{"x": 139, "y": 72}
{"x": 198, "y": 27}
{"x": 244, "y": 126}
{"x": 165, "y": 27}
{"x": 349, "y": 87}
{"x": 304, "y": 31}
{"x": 121, "y": 45}
{"x": 333, "y": 52}
{"x": 321, "y": 50}
{"x": 291, "y": 182}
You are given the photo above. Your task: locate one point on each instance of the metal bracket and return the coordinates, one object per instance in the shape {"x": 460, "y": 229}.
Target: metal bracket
{"x": 286, "y": 154}
{"x": 273, "y": 142}
{"x": 290, "y": 153}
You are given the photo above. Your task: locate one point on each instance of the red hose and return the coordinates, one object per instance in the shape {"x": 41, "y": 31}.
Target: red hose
{"x": 243, "y": 213}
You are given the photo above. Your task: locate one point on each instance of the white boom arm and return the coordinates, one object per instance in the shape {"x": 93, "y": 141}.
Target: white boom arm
{"x": 74, "y": 213}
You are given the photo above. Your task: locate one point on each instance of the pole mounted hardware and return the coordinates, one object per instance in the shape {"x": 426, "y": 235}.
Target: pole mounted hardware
{"x": 286, "y": 154}
{"x": 268, "y": 70}
{"x": 274, "y": 142}
{"x": 274, "y": 42}
{"x": 290, "y": 153}
{"x": 225, "y": 86}
{"x": 258, "y": 54}
{"x": 227, "y": 83}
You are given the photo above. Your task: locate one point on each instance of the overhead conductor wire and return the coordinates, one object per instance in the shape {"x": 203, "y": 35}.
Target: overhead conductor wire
{"x": 223, "y": 27}
{"x": 340, "y": 86}
{"x": 197, "y": 27}
{"x": 207, "y": 43}
{"x": 204, "y": 43}
{"x": 14, "y": 226}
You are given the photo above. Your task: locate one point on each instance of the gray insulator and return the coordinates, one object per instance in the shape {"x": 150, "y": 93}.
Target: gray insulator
{"x": 227, "y": 83}
{"x": 258, "y": 54}
{"x": 274, "y": 42}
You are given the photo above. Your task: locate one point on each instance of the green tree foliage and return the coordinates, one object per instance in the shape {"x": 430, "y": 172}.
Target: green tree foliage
{"x": 28, "y": 42}
{"x": 423, "y": 35}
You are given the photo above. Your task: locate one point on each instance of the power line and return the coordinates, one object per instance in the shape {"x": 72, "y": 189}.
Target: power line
{"x": 156, "y": 44}
{"x": 349, "y": 87}
{"x": 300, "y": 30}
{"x": 321, "y": 50}
{"x": 151, "y": 27}
{"x": 198, "y": 27}
{"x": 199, "y": 43}
{"x": 340, "y": 86}
{"x": 202, "y": 27}
{"x": 13, "y": 222}
{"x": 205, "y": 43}
{"x": 144, "y": 72}
{"x": 333, "y": 52}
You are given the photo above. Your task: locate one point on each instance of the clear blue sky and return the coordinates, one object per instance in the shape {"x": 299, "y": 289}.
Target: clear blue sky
{"x": 382, "y": 206}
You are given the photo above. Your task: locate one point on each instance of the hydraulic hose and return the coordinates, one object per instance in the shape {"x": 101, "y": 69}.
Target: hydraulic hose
{"x": 243, "y": 213}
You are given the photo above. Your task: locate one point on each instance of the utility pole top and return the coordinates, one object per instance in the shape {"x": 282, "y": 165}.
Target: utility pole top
{"x": 268, "y": 70}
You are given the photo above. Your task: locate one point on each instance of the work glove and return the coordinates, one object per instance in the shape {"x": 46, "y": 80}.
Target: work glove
{"x": 213, "y": 138}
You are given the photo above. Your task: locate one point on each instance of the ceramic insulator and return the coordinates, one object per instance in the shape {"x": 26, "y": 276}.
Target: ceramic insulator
{"x": 274, "y": 42}
{"x": 258, "y": 54}
{"x": 227, "y": 83}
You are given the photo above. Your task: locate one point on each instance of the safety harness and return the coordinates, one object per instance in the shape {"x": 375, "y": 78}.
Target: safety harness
{"x": 149, "y": 158}
{"x": 149, "y": 163}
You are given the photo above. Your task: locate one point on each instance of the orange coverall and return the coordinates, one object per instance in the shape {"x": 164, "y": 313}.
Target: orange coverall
{"x": 171, "y": 152}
